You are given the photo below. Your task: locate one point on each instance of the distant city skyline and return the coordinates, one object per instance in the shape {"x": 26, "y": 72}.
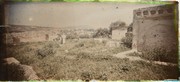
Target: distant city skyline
{"x": 64, "y": 14}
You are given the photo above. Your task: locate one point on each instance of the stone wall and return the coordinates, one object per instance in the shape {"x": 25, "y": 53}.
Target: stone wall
{"x": 155, "y": 27}
{"x": 30, "y": 36}
{"x": 118, "y": 34}
{"x": 17, "y": 36}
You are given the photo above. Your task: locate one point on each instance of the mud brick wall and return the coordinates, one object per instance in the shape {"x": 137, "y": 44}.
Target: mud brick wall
{"x": 155, "y": 27}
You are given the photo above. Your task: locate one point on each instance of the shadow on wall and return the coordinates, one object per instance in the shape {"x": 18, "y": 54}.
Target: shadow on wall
{"x": 150, "y": 33}
{"x": 155, "y": 33}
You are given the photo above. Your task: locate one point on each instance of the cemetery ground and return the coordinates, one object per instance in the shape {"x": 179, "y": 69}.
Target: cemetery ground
{"x": 86, "y": 59}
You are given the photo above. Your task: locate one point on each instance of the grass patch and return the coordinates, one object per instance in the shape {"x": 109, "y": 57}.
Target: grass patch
{"x": 86, "y": 60}
{"x": 159, "y": 55}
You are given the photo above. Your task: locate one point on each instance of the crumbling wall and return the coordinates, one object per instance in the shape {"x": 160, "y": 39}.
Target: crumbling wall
{"x": 154, "y": 27}
{"x": 30, "y": 36}
{"x": 118, "y": 34}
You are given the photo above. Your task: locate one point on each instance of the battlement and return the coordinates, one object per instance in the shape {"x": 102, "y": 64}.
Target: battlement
{"x": 157, "y": 11}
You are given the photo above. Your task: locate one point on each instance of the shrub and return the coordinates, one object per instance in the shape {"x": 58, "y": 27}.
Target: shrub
{"x": 102, "y": 33}
{"x": 117, "y": 25}
{"x": 27, "y": 58}
{"x": 72, "y": 36}
{"x": 127, "y": 41}
{"x": 45, "y": 52}
{"x": 48, "y": 49}
{"x": 83, "y": 55}
{"x": 86, "y": 76}
{"x": 79, "y": 45}
{"x": 86, "y": 44}
{"x": 51, "y": 45}
{"x": 161, "y": 54}
{"x": 84, "y": 36}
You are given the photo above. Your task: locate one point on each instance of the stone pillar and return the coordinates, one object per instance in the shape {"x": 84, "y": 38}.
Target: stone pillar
{"x": 63, "y": 40}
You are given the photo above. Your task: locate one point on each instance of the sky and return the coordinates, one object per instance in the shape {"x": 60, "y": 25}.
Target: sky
{"x": 68, "y": 14}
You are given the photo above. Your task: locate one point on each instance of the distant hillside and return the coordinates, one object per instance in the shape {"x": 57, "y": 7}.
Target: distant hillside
{"x": 22, "y": 28}
{"x": 77, "y": 27}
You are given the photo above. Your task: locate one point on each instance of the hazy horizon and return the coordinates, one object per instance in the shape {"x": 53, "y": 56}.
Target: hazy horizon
{"x": 64, "y": 14}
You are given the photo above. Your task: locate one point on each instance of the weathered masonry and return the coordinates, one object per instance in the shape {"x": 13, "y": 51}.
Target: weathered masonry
{"x": 118, "y": 34}
{"x": 155, "y": 27}
{"x": 30, "y": 36}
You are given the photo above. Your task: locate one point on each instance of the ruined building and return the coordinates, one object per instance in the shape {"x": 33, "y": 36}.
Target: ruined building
{"x": 155, "y": 27}
{"x": 118, "y": 34}
{"x": 118, "y": 29}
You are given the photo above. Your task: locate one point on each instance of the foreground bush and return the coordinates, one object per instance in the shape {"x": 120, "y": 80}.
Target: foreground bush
{"x": 47, "y": 50}
{"x": 159, "y": 54}
{"x": 102, "y": 33}
{"x": 163, "y": 55}
{"x": 87, "y": 60}
{"x": 127, "y": 41}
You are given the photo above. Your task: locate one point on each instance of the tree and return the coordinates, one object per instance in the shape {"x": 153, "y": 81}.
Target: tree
{"x": 127, "y": 41}
{"x": 102, "y": 32}
{"x": 130, "y": 28}
{"x": 117, "y": 25}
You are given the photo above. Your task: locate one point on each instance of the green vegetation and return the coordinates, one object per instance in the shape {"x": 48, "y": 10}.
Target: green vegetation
{"x": 117, "y": 25}
{"x": 159, "y": 54}
{"x": 85, "y": 59}
{"x": 127, "y": 41}
{"x": 102, "y": 33}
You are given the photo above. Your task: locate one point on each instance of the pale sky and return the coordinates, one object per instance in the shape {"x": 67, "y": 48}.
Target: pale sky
{"x": 66, "y": 14}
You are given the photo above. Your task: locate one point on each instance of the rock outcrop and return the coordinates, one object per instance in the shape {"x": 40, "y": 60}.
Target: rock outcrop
{"x": 16, "y": 71}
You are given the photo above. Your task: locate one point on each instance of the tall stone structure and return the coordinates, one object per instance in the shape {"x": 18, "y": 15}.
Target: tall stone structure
{"x": 155, "y": 27}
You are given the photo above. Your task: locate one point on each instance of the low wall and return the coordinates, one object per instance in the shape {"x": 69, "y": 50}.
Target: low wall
{"x": 30, "y": 36}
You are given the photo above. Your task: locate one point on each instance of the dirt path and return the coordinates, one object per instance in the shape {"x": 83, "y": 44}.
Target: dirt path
{"x": 136, "y": 58}
{"x": 124, "y": 55}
